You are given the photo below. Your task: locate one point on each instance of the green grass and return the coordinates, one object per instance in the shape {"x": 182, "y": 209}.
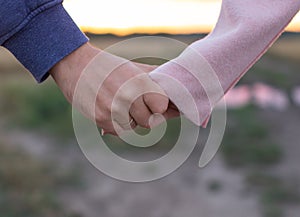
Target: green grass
{"x": 280, "y": 194}
{"x": 214, "y": 186}
{"x": 260, "y": 179}
{"x": 41, "y": 108}
{"x": 29, "y": 187}
{"x": 274, "y": 196}
{"x": 287, "y": 48}
{"x": 265, "y": 75}
{"x": 276, "y": 72}
{"x": 248, "y": 144}
{"x": 247, "y": 141}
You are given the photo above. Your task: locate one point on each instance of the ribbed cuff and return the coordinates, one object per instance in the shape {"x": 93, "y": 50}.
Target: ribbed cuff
{"x": 45, "y": 40}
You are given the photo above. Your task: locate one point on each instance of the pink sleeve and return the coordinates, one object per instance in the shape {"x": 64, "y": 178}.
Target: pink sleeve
{"x": 244, "y": 32}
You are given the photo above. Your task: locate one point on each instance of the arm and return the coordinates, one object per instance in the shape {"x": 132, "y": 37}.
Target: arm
{"x": 244, "y": 32}
{"x": 43, "y": 37}
{"x": 38, "y": 33}
{"x": 109, "y": 89}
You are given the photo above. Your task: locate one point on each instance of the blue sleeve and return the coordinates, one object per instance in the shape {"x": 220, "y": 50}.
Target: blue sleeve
{"x": 39, "y": 33}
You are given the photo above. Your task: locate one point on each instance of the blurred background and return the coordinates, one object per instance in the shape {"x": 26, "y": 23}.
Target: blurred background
{"x": 255, "y": 173}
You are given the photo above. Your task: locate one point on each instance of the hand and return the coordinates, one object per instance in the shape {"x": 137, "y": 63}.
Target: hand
{"x": 143, "y": 97}
{"x": 172, "y": 110}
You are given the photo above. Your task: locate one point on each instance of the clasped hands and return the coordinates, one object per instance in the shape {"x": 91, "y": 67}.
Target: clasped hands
{"x": 118, "y": 94}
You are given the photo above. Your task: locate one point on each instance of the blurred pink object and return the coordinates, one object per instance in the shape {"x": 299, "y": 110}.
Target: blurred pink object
{"x": 245, "y": 30}
{"x": 238, "y": 97}
{"x": 267, "y": 97}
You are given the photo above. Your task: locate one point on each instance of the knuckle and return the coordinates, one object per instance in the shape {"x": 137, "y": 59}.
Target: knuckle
{"x": 134, "y": 109}
{"x": 144, "y": 123}
{"x": 156, "y": 102}
{"x": 116, "y": 109}
{"x": 139, "y": 119}
{"x": 125, "y": 96}
{"x": 100, "y": 119}
{"x": 148, "y": 99}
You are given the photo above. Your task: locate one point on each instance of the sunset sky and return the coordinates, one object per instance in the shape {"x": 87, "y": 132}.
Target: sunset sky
{"x": 124, "y": 17}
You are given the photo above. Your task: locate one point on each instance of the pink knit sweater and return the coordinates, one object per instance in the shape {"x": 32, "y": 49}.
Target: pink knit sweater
{"x": 213, "y": 65}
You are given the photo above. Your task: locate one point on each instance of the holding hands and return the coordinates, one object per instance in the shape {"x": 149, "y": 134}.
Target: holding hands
{"x": 118, "y": 94}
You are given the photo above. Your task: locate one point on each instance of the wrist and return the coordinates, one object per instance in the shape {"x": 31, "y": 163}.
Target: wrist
{"x": 67, "y": 72}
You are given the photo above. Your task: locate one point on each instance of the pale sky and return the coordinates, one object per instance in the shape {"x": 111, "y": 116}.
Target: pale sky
{"x": 147, "y": 16}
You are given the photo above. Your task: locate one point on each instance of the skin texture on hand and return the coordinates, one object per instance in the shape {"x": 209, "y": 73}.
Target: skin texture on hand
{"x": 124, "y": 85}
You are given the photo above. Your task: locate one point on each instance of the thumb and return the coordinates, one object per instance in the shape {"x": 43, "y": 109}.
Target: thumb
{"x": 172, "y": 112}
{"x": 154, "y": 96}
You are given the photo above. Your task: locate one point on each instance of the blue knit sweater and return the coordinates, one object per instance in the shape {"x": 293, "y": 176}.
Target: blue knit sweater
{"x": 39, "y": 33}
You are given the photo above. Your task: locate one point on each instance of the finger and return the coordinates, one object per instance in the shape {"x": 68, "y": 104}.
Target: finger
{"x": 108, "y": 131}
{"x": 157, "y": 103}
{"x": 120, "y": 114}
{"x": 124, "y": 125}
{"x": 133, "y": 124}
{"x": 155, "y": 97}
{"x": 110, "y": 127}
{"x": 157, "y": 119}
{"x": 113, "y": 129}
{"x": 140, "y": 112}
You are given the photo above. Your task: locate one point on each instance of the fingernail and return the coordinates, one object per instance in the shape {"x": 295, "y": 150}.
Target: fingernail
{"x": 103, "y": 133}
{"x": 155, "y": 120}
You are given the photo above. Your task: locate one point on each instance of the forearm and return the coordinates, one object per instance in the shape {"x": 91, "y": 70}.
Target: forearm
{"x": 245, "y": 30}
{"x": 66, "y": 72}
